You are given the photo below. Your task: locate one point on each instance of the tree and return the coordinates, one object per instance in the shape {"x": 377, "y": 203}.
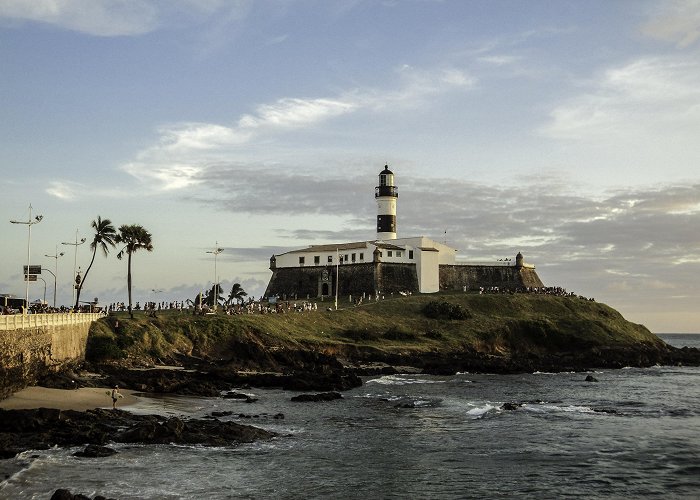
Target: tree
{"x": 134, "y": 237}
{"x": 237, "y": 293}
{"x": 214, "y": 296}
{"x": 105, "y": 237}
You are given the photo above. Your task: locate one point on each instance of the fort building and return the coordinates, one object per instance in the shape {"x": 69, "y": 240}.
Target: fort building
{"x": 389, "y": 264}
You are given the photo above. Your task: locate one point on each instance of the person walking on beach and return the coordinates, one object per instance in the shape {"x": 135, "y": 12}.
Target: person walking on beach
{"x": 115, "y": 395}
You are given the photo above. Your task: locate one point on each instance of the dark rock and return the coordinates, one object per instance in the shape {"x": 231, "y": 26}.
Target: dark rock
{"x": 323, "y": 396}
{"x": 279, "y": 416}
{"x": 62, "y": 494}
{"x": 410, "y": 404}
{"x": 610, "y": 411}
{"x": 510, "y": 406}
{"x": 591, "y": 378}
{"x": 95, "y": 451}
{"x": 70, "y": 428}
{"x": 221, "y": 413}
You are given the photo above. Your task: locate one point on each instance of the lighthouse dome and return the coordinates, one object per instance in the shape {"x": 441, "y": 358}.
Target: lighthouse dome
{"x": 386, "y": 170}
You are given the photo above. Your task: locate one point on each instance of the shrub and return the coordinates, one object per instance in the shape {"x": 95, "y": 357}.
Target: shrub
{"x": 103, "y": 347}
{"x": 441, "y": 309}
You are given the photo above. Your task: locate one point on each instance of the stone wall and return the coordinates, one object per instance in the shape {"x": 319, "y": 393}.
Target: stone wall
{"x": 475, "y": 276}
{"x": 388, "y": 277}
{"x": 395, "y": 277}
{"x": 30, "y": 351}
{"x": 354, "y": 279}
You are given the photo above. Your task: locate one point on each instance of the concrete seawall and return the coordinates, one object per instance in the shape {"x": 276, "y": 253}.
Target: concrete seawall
{"x": 36, "y": 344}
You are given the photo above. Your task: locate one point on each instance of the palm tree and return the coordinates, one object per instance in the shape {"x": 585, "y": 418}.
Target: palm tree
{"x": 105, "y": 237}
{"x": 214, "y": 296}
{"x": 237, "y": 293}
{"x": 134, "y": 237}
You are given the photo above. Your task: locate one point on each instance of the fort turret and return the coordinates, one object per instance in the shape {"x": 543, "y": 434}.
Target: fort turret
{"x": 519, "y": 260}
{"x": 386, "y": 194}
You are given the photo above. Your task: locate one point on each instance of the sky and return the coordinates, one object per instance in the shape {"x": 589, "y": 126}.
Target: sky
{"x": 566, "y": 130}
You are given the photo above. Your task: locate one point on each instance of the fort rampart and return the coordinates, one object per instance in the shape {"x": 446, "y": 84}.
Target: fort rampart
{"x": 385, "y": 277}
{"x": 36, "y": 344}
{"x": 473, "y": 277}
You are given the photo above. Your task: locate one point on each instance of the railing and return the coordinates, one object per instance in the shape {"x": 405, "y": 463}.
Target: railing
{"x": 386, "y": 191}
{"x": 22, "y": 321}
{"x": 492, "y": 263}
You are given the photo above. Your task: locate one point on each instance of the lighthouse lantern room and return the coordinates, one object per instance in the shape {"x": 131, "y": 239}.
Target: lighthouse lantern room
{"x": 386, "y": 194}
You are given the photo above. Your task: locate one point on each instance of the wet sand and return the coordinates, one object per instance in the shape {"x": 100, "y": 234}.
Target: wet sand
{"x": 82, "y": 399}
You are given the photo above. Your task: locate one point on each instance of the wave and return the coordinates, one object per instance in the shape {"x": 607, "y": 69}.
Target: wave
{"x": 481, "y": 411}
{"x": 402, "y": 380}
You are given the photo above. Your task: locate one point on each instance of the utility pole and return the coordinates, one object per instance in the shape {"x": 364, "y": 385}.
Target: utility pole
{"x": 75, "y": 258}
{"x": 29, "y": 223}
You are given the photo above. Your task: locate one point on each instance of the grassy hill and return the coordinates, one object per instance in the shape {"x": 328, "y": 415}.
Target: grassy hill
{"x": 445, "y": 325}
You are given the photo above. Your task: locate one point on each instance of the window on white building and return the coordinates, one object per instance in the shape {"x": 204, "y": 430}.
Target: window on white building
{"x": 317, "y": 259}
{"x": 389, "y": 253}
{"x": 301, "y": 261}
{"x": 362, "y": 256}
{"x": 353, "y": 257}
{"x": 398, "y": 253}
{"x": 410, "y": 254}
{"x": 330, "y": 259}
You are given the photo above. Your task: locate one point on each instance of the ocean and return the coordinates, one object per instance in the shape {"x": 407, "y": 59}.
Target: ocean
{"x": 634, "y": 433}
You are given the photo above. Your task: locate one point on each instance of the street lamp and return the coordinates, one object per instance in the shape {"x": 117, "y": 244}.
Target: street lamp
{"x": 30, "y": 222}
{"x": 216, "y": 252}
{"x": 75, "y": 257}
{"x": 55, "y": 256}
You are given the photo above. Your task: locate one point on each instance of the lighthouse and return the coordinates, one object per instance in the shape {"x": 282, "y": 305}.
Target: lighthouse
{"x": 386, "y": 194}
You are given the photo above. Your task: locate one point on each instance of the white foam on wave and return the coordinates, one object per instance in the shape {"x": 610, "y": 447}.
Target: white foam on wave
{"x": 402, "y": 380}
{"x": 480, "y": 411}
{"x": 552, "y": 373}
{"x": 550, "y": 408}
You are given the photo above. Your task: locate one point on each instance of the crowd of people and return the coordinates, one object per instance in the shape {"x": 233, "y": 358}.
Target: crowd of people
{"x": 542, "y": 290}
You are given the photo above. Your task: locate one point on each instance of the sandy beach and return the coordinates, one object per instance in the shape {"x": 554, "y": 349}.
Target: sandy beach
{"x": 82, "y": 399}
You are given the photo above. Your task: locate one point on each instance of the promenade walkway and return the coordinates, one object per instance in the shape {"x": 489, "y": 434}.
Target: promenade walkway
{"x": 22, "y": 321}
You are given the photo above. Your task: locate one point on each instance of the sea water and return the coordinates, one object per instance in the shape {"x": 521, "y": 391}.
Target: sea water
{"x": 634, "y": 433}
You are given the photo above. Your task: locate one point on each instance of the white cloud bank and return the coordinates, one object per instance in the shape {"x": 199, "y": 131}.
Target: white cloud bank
{"x": 676, "y": 21}
{"x": 94, "y": 17}
{"x": 184, "y": 151}
{"x": 650, "y": 96}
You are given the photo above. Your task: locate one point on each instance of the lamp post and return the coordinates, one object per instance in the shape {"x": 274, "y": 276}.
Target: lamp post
{"x": 75, "y": 257}
{"x": 216, "y": 252}
{"x": 55, "y": 256}
{"x": 30, "y": 222}
{"x": 337, "y": 274}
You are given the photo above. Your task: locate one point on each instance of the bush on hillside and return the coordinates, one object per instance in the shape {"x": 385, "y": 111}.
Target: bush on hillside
{"x": 441, "y": 309}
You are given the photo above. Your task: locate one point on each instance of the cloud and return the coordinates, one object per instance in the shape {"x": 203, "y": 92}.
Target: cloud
{"x": 94, "y": 17}
{"x": 110, "y": 18}
{"x": 675, "y": 21}
{"x": 64, "y": 190}
{"x": 184, "y": 152}
{"x": 650, "y": 96}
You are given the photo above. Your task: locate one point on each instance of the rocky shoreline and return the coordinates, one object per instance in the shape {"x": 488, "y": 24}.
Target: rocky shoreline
{"x": 303, "y": 371}
{"x": 43, "y": 428}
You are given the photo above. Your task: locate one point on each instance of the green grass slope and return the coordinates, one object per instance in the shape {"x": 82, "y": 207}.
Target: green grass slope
{"x": 493, "y": 325}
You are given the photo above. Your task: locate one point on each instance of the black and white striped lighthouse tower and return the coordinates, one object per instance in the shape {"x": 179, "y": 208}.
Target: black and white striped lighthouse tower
{"x": 386, "y": 194}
